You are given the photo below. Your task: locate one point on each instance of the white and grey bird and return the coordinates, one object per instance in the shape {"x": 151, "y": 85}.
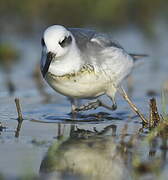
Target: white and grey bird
{"x": 84, "y": 64}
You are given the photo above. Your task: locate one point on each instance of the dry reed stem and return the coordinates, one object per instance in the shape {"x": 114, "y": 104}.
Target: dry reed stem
{"x": 154, "y": 115}
{"x": 20, "y": 117}
{"x": 133, "y": 107}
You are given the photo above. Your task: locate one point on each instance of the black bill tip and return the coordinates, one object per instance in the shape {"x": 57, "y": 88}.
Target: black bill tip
{"x": 49, "y": 58}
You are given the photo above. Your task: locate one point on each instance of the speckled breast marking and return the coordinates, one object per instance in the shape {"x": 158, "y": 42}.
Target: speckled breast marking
{"x": 83, "y": 84}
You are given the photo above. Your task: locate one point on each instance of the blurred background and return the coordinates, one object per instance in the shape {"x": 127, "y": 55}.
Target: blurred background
{"x": 29, "y": 16}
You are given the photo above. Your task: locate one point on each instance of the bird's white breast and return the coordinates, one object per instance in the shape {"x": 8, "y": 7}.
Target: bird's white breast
{"x": 81, "y": 85}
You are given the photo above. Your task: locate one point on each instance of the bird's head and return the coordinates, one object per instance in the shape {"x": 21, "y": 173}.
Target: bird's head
{"x": 56, "y": 43}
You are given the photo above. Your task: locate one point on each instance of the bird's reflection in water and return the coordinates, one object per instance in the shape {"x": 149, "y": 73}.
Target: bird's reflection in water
{"x": 84, "y": 155}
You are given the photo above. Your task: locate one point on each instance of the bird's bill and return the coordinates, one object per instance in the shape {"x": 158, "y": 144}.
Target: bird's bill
{"x": 49, "y": 58}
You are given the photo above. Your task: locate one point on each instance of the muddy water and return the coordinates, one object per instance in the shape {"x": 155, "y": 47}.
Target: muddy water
{"x": 45, "y": 122}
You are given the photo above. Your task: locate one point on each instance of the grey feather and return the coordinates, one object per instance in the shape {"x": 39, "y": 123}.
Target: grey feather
{"x": 89, "y": 38}
{"x": 97, "y": 48}
{"x": 91, "y": 43}
{"x": 82, "y": 36}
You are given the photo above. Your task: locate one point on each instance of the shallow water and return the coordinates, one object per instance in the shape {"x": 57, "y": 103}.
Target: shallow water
{"x": 44, "y": 122}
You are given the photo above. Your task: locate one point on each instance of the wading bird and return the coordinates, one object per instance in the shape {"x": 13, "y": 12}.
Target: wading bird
{"x": 84, "y": 64}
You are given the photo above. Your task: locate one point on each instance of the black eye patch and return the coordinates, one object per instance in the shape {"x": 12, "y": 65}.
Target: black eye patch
{"x": 66, "y": 41}
{"x": 42, "y": 42}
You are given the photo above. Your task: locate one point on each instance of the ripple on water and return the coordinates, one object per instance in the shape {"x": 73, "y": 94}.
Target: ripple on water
{"x": 96, "y": 118}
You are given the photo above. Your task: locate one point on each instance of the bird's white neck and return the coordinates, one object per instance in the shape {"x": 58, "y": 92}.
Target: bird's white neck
{"x": 70, "y": 63}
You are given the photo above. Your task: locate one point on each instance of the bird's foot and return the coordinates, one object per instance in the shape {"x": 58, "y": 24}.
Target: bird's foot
{"x": 91, "y": 105}
{"x": 94, "y": 105}
{"x": 114, "y": 107}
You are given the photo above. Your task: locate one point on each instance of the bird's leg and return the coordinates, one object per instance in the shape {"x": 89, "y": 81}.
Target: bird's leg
{"x": 73, "y": 108}
{"x": 113, "y": 107}
{"x": 111, "y": 91}
{"x": 91, "y": 105}
{"x": 96, "y": 104}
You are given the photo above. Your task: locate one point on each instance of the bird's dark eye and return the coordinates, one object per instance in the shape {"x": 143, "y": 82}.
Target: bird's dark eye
{"x": 42, "y": 42}
{"x": 66, "y": 41}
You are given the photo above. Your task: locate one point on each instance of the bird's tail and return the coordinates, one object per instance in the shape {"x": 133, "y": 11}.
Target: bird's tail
{"x": 138, "y": 56}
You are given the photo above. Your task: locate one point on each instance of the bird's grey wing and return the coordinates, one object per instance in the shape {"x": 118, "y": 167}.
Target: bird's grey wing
{"x": 104, "y": 41}
{"x": 90, "y": 39}
{"x": 97, "y": 49}
{"x": 101, "y": 51}
{"x": 82, "y": 37}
